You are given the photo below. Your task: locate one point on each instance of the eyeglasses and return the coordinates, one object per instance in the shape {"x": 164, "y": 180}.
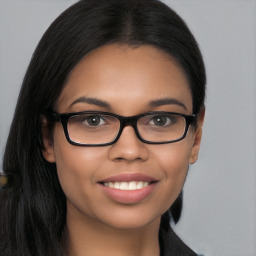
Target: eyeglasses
{"x": 95, "y": 128}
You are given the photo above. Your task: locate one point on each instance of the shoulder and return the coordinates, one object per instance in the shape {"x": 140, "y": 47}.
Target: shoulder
{"x": 172, "y": 245}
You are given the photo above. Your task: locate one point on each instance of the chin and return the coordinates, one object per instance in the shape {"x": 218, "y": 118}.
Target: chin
{"x": 131, "y": 221}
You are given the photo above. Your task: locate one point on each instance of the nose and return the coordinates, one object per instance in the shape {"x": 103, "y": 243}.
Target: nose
{"x": 129, "y": 147}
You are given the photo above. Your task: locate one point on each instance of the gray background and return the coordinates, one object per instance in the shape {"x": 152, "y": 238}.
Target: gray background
{"x": 219, "y": 217}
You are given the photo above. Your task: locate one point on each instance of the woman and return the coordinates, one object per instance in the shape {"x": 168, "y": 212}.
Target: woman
{"x": 108, "y": 119}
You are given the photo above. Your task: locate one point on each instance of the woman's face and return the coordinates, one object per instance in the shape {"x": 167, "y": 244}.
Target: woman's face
{"x": 126, "y": 81}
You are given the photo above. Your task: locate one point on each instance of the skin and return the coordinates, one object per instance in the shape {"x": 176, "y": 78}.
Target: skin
{"x": 128, "y": 79}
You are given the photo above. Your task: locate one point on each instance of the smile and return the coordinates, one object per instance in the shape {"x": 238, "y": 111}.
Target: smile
{"x": 129, "y": 188}
{"x": 131, "y": 185}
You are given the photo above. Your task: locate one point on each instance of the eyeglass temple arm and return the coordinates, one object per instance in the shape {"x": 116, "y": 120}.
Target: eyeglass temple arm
{"x": 53, "y": 116}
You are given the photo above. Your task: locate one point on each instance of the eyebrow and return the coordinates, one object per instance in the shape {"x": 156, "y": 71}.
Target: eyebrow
{"x": 153, "y": 103}
{"x": 167, "y": 101}
{"x": 92, "y": 101}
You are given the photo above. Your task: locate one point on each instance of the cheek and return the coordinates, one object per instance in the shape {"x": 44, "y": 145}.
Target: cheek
{"x": 173, "y": 159}
{"x": 77, "y": 167}
{"x": 76, "y": 161}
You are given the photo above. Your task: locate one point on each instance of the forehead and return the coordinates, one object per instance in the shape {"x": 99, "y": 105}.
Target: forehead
{"x": 126, "y": 76}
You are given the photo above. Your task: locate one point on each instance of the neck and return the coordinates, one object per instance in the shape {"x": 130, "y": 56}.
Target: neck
{"x": 88, "y": 237}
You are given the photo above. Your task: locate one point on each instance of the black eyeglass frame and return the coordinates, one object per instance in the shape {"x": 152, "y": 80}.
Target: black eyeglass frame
{"x": 124, "y": 121}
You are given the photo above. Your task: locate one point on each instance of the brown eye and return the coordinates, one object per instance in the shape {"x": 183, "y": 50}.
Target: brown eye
{"x": 89, "y": 120}
{"x": 162, "y": 120}
{"x": 93, "y": 120}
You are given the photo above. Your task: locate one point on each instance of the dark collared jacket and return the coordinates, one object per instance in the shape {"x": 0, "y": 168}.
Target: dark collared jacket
{"x": 171, "y": 245}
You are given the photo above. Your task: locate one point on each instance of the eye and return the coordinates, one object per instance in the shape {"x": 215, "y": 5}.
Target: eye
{"x": 162, "y": 120}
{"x": 93, "y": 120}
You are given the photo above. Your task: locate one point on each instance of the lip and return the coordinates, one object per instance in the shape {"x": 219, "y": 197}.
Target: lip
{"x": 129, "y": 177}
{"x": 128, "y": 196}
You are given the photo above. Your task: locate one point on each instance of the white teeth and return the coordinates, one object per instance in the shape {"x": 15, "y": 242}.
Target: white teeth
{"x": 131, "y": 185}
{"x": 124, "y": 186}
{"x": 140, "y": 185}
{"x": 116, "y": 185}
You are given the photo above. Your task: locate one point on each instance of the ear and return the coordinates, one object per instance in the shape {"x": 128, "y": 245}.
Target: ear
{"x": 48, "y": 149}
{"x": 197, "y": 137}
